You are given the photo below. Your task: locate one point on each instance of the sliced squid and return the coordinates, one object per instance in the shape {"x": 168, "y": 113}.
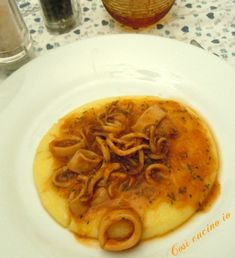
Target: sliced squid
{"x": 75, "y": 203}
{"x": 114, "y": 123}
{"x": 102, "y": 173}
{"x": 160, "y": 169}
{"x": 79, "y": 188}
{"x": 110, "y": 168}
{"x": 152, "y": 139}
{"x": 100, "y": 196}
{"x": 104, "y": 148}
{"x": 84, "y": 161}
{"x": 152, "y": 115}
{"x": 120, "y": 230}
{"x": 160, "y": 143}
{"x": 115, "y": 127}
{"x": 140, "y": 164}
{"x": 156, "y": 156}
{"x": 126, "y": 138}
{"x": 64, "y": 177}
{"x": 116, "y": 140}
{"x": 77, "y": 207}
{"x": 66, "y": 147}
{"x": 134, "y": 135}
{"x": 121, "y": 152}
{"x": 117, "y": 178}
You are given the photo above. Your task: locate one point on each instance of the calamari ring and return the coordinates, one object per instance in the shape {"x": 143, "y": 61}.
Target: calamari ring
{"x": 66, "y": 146}
{"x": 160, "y": 168}
{"x": 116, "y": 216}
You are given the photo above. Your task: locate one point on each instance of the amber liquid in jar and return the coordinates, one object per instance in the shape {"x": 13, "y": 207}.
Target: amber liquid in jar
{"x": 138, "y": 13}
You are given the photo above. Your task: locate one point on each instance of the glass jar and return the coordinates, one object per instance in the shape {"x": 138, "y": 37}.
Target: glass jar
{"x": 15, "y": 40}
{"x": 138, "y": 13}
{"x": 60, "y": 16}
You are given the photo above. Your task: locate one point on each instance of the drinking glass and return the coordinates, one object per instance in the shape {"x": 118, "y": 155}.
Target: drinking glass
{"x": 138, "y": 13}
{"x": 15, "y": 40}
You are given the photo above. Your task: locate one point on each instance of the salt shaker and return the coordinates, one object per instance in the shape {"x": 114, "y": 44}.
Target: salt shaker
{"x": 15, "y": 40}
{"x": 60, "y": 16}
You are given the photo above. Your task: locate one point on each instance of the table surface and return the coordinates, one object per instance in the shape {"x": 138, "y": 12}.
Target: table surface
{"x": 210, "y": 22}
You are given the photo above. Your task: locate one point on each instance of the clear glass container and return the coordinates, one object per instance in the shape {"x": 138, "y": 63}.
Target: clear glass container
{"x": 60, "y": 16}
{"x": 138, "y": 13}
{"x": 15, "y": 40}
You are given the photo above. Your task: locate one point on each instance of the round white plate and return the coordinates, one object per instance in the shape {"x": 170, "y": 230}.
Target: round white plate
{"x": 33, "y": 98}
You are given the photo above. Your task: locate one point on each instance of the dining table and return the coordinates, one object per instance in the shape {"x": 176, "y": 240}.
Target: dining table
{"x": 188, "y": 55}
{"x": 209, "y": 24}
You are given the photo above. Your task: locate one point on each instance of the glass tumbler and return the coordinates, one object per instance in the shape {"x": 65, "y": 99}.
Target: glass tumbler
{"x": 138, "y": 13}
{"x": 15, "y": 40}
{"x": 60, "y": 16}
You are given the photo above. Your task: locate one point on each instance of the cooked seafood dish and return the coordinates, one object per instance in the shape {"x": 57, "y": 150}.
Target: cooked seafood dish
{"x": 126, "y": 169}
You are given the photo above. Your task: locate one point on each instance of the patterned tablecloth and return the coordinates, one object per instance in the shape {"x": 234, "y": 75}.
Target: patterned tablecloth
{"x": 210, "y": 22}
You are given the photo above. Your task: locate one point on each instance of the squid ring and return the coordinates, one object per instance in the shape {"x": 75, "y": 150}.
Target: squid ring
{"x": 113, "y": 217}
{"x": 158, "y": 167}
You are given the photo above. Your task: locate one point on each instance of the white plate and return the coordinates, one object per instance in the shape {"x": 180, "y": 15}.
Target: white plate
{"x": 50, "y": 86}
